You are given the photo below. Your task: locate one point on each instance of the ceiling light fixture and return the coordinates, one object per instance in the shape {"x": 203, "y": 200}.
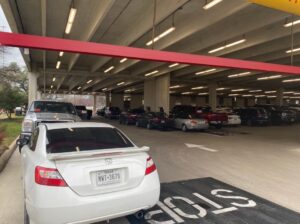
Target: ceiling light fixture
{"x": 186, "y": 93}
{"x": 290, "y": 92}
{"x": 89, "y": 81}
{"x": 293, "y": 50}
{"x": 269, "y": 77}
{"x": 247, "y": 95}
{"x": 255, "y": 91}
{"x": 120, "y": 83}
{"x": 104, "y": 89}
{"x": 123, "y": 60}
{"x": 273, "y": 91}
{"x": 61, "y": 54}
{"x": 71, "y": 18}
{"x": 233, "y": 94}
{"x": 211, "y": 4}
{"x": 221, "y": 88}
{"x": 79, "y": 87}
{"x": 206, "y": 71}
{"x": 175, "y": 87}
{"x": 238, "y": 90}
{"x": 109, "y": 69}
{"x": 58, "y": 64}
{"x": 198, "y": 87}
{"x": 163, "y": 34}
{"x": 53, "y": 80}
{"x": 291, "y": 80}
{"x": 173, "y": 65}
{"x": 227, "y": 46}
{"x": 239, "y": 75}
{"x": 258, "y": 96}
{"x": 51, "y": 86}
{"x": 202, "y": 94}
{"x": 292, "y": 23}
{"x": 151, "y": 73}
{"x": 271, "y": 96}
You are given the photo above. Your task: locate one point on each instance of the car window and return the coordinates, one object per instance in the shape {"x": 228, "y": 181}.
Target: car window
{"x": 52, "y": 107}
{"x": 34, "y": 139}
{"x": 85, "y": 139}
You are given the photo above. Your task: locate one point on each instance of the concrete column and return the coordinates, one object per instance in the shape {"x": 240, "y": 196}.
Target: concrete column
{"x": 212, "y": 90}
{"x": 156, "y": 93}
{"x": 107, "y": 99}
{"x": 95, "y": 104}
{"x": 32, "y": 84}
{"x": 200, "y": 101}
{"x": 279, "y": 98}
{"x": 39, "y": 95}
{"x": 136, "y": 101}
{"x": 117, "y": 100}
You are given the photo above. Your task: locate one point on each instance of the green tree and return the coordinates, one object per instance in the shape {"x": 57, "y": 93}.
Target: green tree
{"x": 10, "y": 98}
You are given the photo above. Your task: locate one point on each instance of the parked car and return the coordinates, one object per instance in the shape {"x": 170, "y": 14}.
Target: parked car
{"x": 154, "y": 120}
{"x": 18, "y": 111}
{"x": 42, "y": 111}
{"x": 296, "y": 109}
{"x": 253, "y": 116}
{"x": 214, "y": 118}
{"x": 186, "y": 122}
{"x": 112, "y": 112}
{"x": 279, "y": 115}
{"x": 182, "y": 108}
{"x": 101, "y": 112}
{"x": 83, "y": 113}
{"x": 129, "y": 117}
{"x": 85, "y": 173}
{"x": 233, "y": 118}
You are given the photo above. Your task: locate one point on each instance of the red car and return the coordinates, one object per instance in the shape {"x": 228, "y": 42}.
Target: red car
{"x": 213, "y": 118}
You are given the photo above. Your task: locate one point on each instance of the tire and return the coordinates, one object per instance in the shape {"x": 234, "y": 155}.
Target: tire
{"x": 137, "y": 124}
{"x": 26, "y": 217}
{"x": 184, "y": 128}
{"x": 149, "y": 126}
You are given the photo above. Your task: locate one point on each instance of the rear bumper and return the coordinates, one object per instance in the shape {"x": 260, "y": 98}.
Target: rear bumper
{"x": 62, "y": 205}
{"x": 233, "y": 122}
{"x": 197, "y": 127}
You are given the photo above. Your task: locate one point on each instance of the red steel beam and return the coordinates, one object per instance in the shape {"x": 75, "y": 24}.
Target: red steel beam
{"x": 81, "y": 47}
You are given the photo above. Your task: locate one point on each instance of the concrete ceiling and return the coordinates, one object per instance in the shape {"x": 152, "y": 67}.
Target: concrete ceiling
{"x": 129, "y": 22}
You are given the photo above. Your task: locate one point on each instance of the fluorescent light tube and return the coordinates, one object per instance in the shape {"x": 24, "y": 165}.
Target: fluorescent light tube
{"x": 61, "y": 54}
{"x": 291, "y": 80}
{"x": 186, "y": 93}
{"x": 206, "y": 71}
{"x": 227, "y": 46}
{"x": 175, "y": 87}
{"x": 239, "y": 75}
{"x": 269, "y": 77}
{"x": 120, "y": 83}
{"x": 255, "y": 91}
{"x": 151, "y": 73}
{"x": 123, "y": 60}
{"x": 79, "y": 87}
{"x": 163, "y": 34}
{"x": 237, "y": 90}
{"x": 173, "y": 65}
{"x": 53, "y": 80}
{"x": 71, "y": 18}
{"x": 211, "y": 4}
{"x": 89, "y": 81}
{"x": 292, "y": 23}
{"x": 58, "y": 64}
{"x": 199, "y": 87}
{"x": 109, "y": 69}
{"x": 273, "y": 91}
{"x": 294, "y": 50}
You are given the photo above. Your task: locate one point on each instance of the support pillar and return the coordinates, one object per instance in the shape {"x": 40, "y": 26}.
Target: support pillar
{"x": 107, "y": 99}
{"x": 212, "y": 90}
{"x": 156, "y": 93}
{"x": 117, "y": 100}
{"x": 136, "y": 101}
{"x": 279, "y": 98}
{"x": 94, "y": 104}
{"x": 32, "y": 84}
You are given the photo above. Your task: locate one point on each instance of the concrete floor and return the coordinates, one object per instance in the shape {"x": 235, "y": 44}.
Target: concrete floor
{"x": 260, "y": 160}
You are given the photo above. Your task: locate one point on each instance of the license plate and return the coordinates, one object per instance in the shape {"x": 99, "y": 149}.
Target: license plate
{"x": 106, "y": 177}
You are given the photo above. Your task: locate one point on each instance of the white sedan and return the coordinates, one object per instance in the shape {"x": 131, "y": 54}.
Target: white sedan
{"x": 85, "y": 173}
{"x": 233, "y": 118}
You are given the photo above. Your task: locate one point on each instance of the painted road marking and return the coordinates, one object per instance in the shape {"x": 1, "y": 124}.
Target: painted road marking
{"x": 200, "y": 147}
{"x": 207, "y": 201}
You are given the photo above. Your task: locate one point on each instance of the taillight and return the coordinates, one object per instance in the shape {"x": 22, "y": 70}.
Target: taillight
{"x": 193, "y": 122}
{"x": 150, "y": 166}
{"x": 49, "y": 177}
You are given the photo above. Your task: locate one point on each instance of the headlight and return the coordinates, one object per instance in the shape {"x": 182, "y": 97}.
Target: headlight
{"x": 27, "y": 125}
{"x": 284, "y": 114}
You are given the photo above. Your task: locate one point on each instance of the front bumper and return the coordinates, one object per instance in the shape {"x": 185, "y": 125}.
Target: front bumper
{"x": 61, "y": 205}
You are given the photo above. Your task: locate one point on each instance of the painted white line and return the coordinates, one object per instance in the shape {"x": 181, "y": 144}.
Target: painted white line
{"x": 224, "y": 210}
{"x": 200, "y": 147}
{"x": 170, "y": 212}
{"x": 212, "y": 134}
{"x": 208, "y": 201}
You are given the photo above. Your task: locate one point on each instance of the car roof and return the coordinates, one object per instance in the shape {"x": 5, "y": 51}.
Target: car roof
{"x": 51, "y": 126}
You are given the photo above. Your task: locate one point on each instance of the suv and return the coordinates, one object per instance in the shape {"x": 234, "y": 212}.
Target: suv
{"x": 83, "y": 112}
{"x": 253, "y": 115}
{"x": 279, "y": 115}
{"x": 41, "y": 111}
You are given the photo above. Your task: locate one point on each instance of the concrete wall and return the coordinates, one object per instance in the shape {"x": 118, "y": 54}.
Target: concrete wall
{"x": 136, "y": 101}
{"x": 117, "y": 100}
{"x": 32, "y": 83}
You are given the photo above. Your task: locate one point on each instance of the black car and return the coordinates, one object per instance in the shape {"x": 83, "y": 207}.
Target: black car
{"x": 182, "y": 109}
{"x": 253, "y": 116}
{"x": 279, "y": 115}
{"x": 112, "y": 112}
{"x": 101, "y": 112}
{"x": 154, "y": 120}
{"x": 83, "y": 113}
{"x": 130, "y": 117}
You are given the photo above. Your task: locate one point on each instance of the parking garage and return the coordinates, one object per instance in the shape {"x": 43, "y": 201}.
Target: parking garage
{"x": 160, "y": 54}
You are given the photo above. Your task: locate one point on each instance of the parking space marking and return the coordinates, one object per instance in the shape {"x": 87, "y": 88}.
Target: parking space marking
{"x": 201, "y": 147}
{"x": 207, "y": 201}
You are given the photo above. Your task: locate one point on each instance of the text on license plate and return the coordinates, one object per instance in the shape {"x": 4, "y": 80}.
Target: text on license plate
{"x": 105, "y": 177}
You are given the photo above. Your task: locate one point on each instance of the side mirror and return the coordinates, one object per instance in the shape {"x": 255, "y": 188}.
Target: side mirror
{"x": 145, "y": 148}
{"x": 22, "y": 142}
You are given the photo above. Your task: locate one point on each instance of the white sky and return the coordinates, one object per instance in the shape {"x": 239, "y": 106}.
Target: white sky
{"x": 12, "y": 54}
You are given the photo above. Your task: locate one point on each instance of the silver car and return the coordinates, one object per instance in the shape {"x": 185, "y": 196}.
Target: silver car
{"x": 43, "y": 111}
{"x": 186, "y": 122}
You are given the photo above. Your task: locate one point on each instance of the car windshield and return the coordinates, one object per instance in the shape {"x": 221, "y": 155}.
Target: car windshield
{"x": 85, "y": 139}
{"x": 52, "y": 107}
